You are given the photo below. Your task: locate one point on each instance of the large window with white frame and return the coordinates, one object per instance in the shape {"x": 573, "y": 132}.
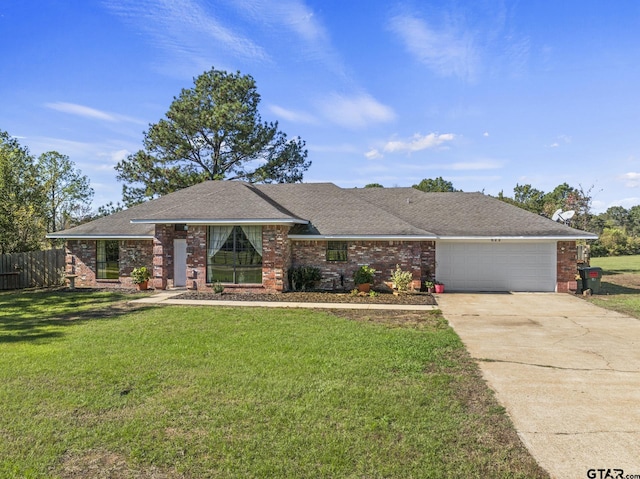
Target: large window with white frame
{"x": 234, "y": 254}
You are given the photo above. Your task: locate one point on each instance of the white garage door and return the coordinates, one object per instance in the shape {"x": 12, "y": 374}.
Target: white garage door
{"x": 496, "y": 266}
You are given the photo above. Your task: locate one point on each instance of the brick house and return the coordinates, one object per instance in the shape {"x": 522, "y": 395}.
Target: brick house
{"x": 249, "y": 236}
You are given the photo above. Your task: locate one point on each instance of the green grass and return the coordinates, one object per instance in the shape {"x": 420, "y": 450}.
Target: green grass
{"x": 214, "y": 392}
{"x": 618, "y": 264}
{"x": 620, "y": 284}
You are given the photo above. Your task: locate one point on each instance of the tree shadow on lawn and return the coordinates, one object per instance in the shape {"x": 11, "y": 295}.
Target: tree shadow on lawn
{"x": 42, "y": 316}
{"x": 608, "y": 288}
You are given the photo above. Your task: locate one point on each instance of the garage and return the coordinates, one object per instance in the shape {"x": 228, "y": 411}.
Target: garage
{"x": 496, "y": 265}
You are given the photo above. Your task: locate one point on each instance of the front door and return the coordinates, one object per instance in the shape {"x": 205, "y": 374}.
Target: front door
{"x": 179, "y": 262}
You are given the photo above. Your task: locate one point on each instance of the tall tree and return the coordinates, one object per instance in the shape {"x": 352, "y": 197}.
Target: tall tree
{"x": 22, "y": 225}
{"x": 212, "y": 131}
{"x": 529, "y": 198}
{"x": 438, "y": 184}
{"x": 66, "y": 189}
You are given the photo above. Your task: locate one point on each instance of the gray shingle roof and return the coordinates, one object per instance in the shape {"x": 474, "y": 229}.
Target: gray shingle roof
{"x": 216, "y": 201}
{"x": 463, "y": 214}
{"x": 325, "y": 209}
{"x": 334, "y": 211}
{"x": 115, "y": 225}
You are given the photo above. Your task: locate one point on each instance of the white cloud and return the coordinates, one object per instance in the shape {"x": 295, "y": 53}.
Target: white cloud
{"x": 486, "y": 134}
{"x": 373, "y": 154}
{"x": 356, "y": 112}
{"x": 418, "y": 142}
{"x": 186, "y": 28}
{"x": 292, "y": 14}
{"x": 631, "y": 179}
{"x": 560, "y": 140}
{"x": 81, "y": 110}
{"x": 449, "y": 51}
{"x": 292, "y": 116}
{"x": 88, "y": 112}
{"x": 625, "y": 203}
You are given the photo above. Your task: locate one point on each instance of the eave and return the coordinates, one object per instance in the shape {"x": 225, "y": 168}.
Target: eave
{"x": 226, "y": 221}
{"x": 519, "y": 238}
{"x": 363, "y": 237}
{"x": 99, "y": 236}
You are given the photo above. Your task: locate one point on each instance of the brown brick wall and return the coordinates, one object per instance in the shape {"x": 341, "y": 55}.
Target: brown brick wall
{"x": 81, "y": 260}
{"x": 567, "y": 258}
{"x": 276, "y": 257}
{"x": 163, "y": 254}
{"x": 415, "y": 256}
{"x": 279, "y": 255}
{"x": 197, "y": 258}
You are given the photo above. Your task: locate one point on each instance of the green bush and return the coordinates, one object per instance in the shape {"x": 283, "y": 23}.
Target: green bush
{"x": 140, "y": 275}
{"x": 364, "y": 274}
{"x": 401, "y": 279}
{"x": 303, "y": 278}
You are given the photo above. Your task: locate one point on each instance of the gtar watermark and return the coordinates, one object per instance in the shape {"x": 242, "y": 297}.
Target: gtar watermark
{"x": 604, "y": 473}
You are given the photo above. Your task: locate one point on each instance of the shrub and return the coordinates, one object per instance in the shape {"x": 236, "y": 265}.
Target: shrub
{"x": 401, "y": 279}
{"x": 140, "y": 275}
{"x": 218, "y": 288}
{"x": 364, "y": 274}
{"x": 302, "y": 278}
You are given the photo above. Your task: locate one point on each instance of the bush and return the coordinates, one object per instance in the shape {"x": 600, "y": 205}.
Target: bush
{"x": 140, "y": 275}
{"x": 401, "y": 279}
{"x": 364, "y": 274}
{"x": 302, "y": 278}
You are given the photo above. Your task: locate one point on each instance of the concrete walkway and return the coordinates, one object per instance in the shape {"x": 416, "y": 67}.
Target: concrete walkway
{"x": 567, "y": 372}
{"x": 168, "y": 297}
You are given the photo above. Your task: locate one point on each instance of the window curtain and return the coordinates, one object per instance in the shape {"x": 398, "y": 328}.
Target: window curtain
{"x": 102, "y": 251}
{"x": 254, "y": 235}
{"x": 217, "y": 237}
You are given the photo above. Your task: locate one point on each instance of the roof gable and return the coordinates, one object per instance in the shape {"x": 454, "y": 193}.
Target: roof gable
{"x": 335, "y": 211}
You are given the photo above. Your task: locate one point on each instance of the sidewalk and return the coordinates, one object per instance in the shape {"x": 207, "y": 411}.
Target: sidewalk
{"x": 167, "y": 297}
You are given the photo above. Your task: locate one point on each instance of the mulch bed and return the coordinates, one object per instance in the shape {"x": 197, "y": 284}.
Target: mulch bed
{"x": 315, "y": 297}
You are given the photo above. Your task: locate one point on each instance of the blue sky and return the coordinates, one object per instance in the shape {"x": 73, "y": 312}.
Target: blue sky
{"x": 486, "y": 94}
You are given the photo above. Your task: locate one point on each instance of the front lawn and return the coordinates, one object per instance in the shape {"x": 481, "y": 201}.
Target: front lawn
{"x": 92, "y": 388}
{"x": 620, "y": 284}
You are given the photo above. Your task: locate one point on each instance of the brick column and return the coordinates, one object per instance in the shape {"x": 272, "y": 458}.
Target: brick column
{"x": 197, "y": 258}
{"x": 276, "y": 257}
{"x": 567, "y": 261}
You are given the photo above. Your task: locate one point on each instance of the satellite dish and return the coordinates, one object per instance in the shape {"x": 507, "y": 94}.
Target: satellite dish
{"x": 565, "y": 216}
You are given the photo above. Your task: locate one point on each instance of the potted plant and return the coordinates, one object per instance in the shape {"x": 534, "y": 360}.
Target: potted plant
{"x": 140, "y": 277}
{"x": 439, "y": 287}
{"x": 363, "y": 277}
{"x": 429, "y": 285}
{"x": 401, "y": 280}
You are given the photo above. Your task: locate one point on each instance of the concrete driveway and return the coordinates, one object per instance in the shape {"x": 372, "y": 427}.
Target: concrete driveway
{"x": 568, "y": 373}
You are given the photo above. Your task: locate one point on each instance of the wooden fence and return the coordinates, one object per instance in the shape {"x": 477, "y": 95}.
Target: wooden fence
{"x": 33, "y": 269}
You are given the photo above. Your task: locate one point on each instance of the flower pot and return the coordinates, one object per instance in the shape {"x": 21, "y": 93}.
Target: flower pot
{"x": 142, "y": 286}
{"x": 364, "y": 287}
{"x": 439, "y": 288}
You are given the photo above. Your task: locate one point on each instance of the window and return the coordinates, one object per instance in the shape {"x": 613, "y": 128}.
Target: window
{"x": 234, "y": 254}
{"x": 108, "y": 259}
{"x": 336, "y": 251}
